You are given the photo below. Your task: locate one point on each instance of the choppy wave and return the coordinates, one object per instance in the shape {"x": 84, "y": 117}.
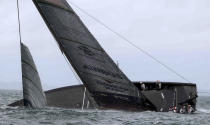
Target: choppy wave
{"x": 59, "y": 116}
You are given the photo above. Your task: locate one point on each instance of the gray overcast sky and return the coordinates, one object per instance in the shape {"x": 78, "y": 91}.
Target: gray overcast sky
{"x": 175, "y": 31}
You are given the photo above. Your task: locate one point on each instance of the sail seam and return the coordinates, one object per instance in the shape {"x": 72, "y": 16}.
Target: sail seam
{"x": 57, "y": 6}
{"x": 103, "y": 77}
{"x": 29, "y": 65}
{"x": 32, "y": 82}
{"x": 80, "y": 43}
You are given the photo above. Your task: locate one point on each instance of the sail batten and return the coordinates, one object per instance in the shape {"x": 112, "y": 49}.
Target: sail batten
{"x": 93, "y": 65}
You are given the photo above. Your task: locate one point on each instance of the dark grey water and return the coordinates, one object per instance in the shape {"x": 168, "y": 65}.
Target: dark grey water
{"x": 56, "y": 116}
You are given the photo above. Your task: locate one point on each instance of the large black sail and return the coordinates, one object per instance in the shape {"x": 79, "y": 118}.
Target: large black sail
{"x": 96, "y": 69}
{"x": 33, "y": 95}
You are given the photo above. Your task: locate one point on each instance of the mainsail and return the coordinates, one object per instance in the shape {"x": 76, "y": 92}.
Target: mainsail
{"x": 33, "y": 95}
{"x": 95, "y": 68}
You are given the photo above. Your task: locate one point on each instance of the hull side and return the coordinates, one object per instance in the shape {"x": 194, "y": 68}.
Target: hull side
{"x": 156, "y": 99}
{"x": 70, "y": 97}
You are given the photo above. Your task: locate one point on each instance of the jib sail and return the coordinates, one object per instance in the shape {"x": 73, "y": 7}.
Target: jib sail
{"x": 33, "y": 95}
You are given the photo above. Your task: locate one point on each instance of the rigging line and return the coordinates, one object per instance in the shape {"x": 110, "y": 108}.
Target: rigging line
{"x": 78, "y": 80}
{"x": 75, "y": 74}
{"x": 131, "y": 43}
{"x": 83, "y": 101}
{"x": 19, "y": 29}
{"x": 19, "y": 26}
{"x": 88, "y": 103}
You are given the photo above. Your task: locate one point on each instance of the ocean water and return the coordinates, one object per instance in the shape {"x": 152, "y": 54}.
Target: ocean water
{"x": 58, "y": 116}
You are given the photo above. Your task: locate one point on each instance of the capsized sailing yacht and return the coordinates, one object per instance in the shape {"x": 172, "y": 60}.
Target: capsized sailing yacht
{"x": 105, "y": 86}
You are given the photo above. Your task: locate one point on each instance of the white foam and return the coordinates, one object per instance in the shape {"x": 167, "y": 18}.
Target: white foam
{"x": 8, "y": 107}
{"x": 204, "y": 110}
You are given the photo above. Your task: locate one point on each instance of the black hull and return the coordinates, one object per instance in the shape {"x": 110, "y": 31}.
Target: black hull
{"x": 121, "y": 102}
{"x": 155, "y": 99}
{"x": 72, "y": 97}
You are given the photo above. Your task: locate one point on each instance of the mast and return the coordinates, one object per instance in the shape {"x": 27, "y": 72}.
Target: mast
{"x": 19, "y": 31}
